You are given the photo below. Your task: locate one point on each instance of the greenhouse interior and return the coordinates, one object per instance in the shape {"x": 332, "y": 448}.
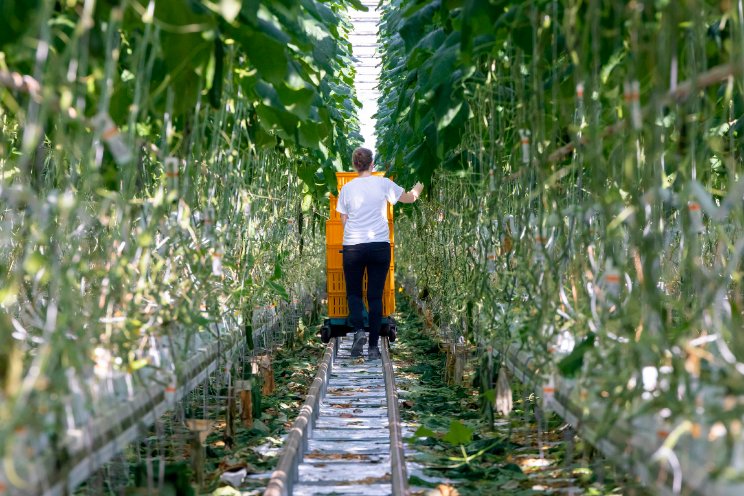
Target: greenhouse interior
{"x": 356, "y": 247}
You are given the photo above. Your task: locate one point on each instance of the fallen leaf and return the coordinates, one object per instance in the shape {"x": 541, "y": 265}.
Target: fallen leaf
{"x": 446, "y": 490}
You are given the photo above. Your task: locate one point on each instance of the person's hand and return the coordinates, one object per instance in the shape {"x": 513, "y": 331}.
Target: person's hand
{"x": 417, "y": 188}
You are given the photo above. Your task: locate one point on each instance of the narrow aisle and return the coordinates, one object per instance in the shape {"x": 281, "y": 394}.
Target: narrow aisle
{"x": 367, "y": 64}
{"x": 349, "y": 448}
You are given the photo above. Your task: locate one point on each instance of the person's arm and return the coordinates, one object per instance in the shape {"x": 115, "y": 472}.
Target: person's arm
{"x": 411, "y": 196}
{"x": 341, "y": 207}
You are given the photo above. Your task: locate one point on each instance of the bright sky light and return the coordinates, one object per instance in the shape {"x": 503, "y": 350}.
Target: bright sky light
{"x": 364, "y": 41}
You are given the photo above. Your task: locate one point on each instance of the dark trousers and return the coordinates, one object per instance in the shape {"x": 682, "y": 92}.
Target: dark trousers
{"x": 375, "y": 259}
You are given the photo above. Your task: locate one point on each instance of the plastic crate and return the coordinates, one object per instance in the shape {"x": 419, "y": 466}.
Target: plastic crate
{"x": 334, "y": 232}
{"x": 343, "y": 178}
{"x": 334, "y": 215}
{"x": 334, "y": 257}
{"x": 336, "y": 285}
{"x": 390, "y": 281}
{"x": 338, "y": 306}
{"x": 388, "y": 302}
{"x": 335, "y": 281}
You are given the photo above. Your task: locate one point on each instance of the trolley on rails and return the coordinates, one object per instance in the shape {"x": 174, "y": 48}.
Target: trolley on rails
{"x": 338, "y": 309}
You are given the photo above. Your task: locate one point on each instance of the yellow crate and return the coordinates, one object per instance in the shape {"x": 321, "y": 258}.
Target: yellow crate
{"x": 343, "y": 178}
{"x": 334, "y": 215}
{"x": 335, "y": 281}
{"x": 338, "y": 306}
{"x": 336, "y": 286}
{"x": 389, "y": 282}
{"x": 334, "y": 257}
{"x": 334, "y": 232}
{"x": 388, "y": 302}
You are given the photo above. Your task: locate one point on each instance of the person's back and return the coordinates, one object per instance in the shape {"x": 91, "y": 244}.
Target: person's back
{"x": 365, "y": 201}
{"x": 362, "y": 204}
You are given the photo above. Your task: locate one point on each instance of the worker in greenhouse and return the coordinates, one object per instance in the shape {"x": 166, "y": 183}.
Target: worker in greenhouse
{"x": 362, "y": 204}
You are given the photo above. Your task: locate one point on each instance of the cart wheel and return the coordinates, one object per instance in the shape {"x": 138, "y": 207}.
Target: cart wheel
{"x": 392, "y": 333}
{"x": 325, "y": 333}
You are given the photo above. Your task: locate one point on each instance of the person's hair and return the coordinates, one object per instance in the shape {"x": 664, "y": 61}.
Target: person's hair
{"x": 362, "y": 159}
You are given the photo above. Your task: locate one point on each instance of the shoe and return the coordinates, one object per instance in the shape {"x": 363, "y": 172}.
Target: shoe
{"x": 374, "y": 353}
{"x": 360, "y": 339}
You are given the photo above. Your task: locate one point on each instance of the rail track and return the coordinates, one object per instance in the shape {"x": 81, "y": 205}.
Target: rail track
{"x": 347, "y": 438}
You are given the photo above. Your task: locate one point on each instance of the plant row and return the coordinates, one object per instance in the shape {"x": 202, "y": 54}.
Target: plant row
{"x": 585, "y": 202}
{"x": 158, "y": 165}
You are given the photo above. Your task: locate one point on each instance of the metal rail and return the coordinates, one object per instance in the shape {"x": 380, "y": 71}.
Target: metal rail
{"x": 344, "y": 443}
{"x": 397, "y": 454}
{"x": 285, "y": 474}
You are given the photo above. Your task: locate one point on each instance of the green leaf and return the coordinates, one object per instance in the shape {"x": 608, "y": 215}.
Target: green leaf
{"x": 266, "y": 51}
{"x": 306, "y": 172}
{"x": 458, "y": 433}
{"x": 449, "y": 116}
{"x": 34, "y": 262}
{"x": 320, "y": 12}
{"x": 277, "y": 271}
{"x": 443, "y": 63}
{"x": 417, "y": 24}
{"x": 278, "y": 289}
{"x": 424, "y": 431}
{"x": 358, "y": 5}
{"x": 280, "y": 121}
{"x": 17, "y": 18}
{"x": 432, "y": 41}
{"x": 490, "y": 395}
{"x": 571, "y": 364}
{"x": 144, "y": 240}
{"x": 185, "y": 55}
{"x": 8, "y": 294}
{"x": 309, "y": 135}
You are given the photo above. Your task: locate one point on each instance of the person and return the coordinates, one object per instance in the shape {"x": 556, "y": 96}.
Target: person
{"x": 362, "y": 204}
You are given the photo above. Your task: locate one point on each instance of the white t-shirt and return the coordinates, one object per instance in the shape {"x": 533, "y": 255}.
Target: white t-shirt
{"x": 365, "y": 200}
